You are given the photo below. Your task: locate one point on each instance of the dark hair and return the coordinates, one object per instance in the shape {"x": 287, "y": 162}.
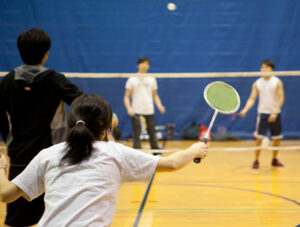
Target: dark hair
{"x": 89, "y": 117}
{"x": 33, "y": 45}
{"x": 268, "y": 62}
{"x": 143, "y": 59}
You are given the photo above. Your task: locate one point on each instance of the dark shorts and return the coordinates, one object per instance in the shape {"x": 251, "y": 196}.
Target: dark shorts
{"x": 262, "y": 126}
{"x": 21, "y": 212}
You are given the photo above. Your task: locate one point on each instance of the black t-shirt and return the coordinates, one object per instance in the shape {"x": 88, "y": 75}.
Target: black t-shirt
{"x": 30, "y": 107}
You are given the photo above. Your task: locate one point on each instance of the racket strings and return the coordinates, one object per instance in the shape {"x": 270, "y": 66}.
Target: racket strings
{"x": 222, "y": 97}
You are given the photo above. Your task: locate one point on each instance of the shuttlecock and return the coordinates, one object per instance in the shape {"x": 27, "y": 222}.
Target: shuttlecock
{"x": 171, "y": 6}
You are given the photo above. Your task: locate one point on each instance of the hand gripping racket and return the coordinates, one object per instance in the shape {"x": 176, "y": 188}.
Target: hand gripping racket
{"x": 223, "y": 99}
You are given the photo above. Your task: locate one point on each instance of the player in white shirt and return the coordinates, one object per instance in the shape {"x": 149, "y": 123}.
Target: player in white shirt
{"x": 82, "y": 176}
{"x": 143, "y": 92}
{"x": 271, "y": 98}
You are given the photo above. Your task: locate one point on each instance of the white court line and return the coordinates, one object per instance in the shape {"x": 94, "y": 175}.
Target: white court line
{"x": 228, "y": 149}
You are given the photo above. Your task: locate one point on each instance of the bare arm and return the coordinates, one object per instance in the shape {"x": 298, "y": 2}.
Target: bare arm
{"x": 157, "y": 102}
{"x": 9, "y": 192}
{"x": 114, "y": 123}
{"x": 181, "y": 158}
{"x": 127, "y": 102}
{"x": 110, "y": 136}
{"x": 251, "y": 100}
{"x": 280, "y": 93}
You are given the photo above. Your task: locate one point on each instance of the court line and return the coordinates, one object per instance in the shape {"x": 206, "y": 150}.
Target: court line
{"x": 208, "y": 209}
{"x": 140, "y": 212}
{"x": 229, "y": 182}
{"x": 235, "y": 149}
{"x": 239, "y": 189}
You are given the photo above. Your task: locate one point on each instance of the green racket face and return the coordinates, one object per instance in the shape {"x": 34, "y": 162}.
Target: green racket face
{"x": 222, "y": 97}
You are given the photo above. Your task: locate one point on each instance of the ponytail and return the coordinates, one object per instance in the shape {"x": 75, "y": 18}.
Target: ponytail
{"x": 80, "y": 143}
{"x": 89, "y": 119}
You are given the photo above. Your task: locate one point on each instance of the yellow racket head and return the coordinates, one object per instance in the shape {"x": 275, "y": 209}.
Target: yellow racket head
{"x": 222, "y": 97}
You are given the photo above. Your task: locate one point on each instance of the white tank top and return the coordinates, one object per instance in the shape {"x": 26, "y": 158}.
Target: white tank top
{"x": 268, "y": 96}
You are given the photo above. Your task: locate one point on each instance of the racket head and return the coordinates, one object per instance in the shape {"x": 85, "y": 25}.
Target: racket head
{"x": 222, "y": 97}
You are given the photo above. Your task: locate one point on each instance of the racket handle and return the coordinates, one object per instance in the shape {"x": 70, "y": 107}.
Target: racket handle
{"x": 198, "y": 160}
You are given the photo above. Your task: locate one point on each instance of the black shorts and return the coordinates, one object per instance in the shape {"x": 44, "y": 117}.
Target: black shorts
{"x": 21, "y": 212}
{"x": 262, "y": 126}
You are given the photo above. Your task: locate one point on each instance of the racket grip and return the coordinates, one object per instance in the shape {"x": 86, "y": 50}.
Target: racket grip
{"x": 198, "y": 160}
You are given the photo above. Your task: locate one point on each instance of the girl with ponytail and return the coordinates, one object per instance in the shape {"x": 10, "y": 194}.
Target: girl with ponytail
{"x": 84, "y": 174}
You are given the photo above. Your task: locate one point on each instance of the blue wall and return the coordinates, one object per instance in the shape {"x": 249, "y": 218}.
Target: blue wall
{"x": 200, "y": 36}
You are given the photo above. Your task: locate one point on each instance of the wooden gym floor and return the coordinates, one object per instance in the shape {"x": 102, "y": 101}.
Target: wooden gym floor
{"x": 221, "y": 191}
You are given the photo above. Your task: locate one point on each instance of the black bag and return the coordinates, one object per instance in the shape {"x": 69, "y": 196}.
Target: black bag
{"x": 190, "y": 131}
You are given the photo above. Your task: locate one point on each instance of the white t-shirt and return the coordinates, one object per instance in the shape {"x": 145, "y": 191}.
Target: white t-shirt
{"x": 142, "y": 98}
{"x": 268, "y": 97}
{"x": 84, "y": 194}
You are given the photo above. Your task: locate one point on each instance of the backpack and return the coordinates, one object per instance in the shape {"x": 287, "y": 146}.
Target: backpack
{"x": 190, "y": 131}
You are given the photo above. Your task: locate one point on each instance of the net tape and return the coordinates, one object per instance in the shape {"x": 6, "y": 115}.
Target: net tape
{"x": 176, "y": 75}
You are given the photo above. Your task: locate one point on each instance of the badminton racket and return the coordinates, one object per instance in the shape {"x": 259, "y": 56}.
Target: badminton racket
{"x": 221, "y": 97}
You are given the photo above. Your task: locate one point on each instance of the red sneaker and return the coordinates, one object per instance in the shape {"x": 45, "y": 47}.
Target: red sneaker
{"x": 255, "y": 165}
{"x": 276, "y": 163}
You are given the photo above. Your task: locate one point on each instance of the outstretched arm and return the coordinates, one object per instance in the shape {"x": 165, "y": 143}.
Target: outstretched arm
{"x": 157, "y": 102}
{"x": 251, "y": 100}
{"x": 179, "y": 159}
{"x": 9, "y": 192}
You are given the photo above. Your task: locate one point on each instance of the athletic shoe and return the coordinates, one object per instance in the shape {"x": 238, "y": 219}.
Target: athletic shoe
{"x": 276, "y": 163}
{"x": 255, "y": 165}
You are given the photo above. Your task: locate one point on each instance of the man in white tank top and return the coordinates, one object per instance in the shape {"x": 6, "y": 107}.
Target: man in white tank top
{"x": 271, "y": 98}
{"x": 143, "y": 92}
